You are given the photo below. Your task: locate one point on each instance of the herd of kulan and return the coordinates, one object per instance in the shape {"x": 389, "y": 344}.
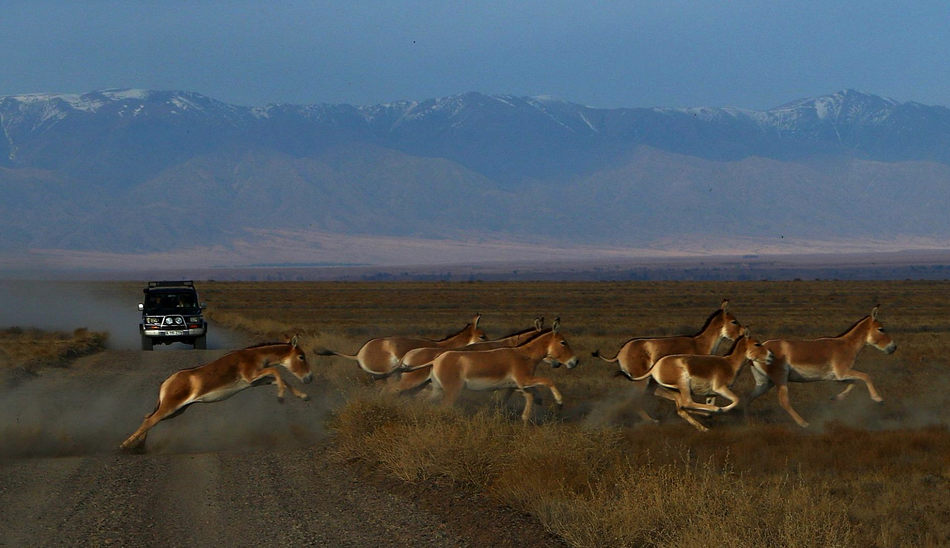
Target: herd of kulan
{"x": 679, "y": 367}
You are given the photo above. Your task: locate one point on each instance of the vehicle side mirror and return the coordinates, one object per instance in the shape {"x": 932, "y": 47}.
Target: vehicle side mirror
{"x": 141, "y": 307}
{"x": 202, "y": 306}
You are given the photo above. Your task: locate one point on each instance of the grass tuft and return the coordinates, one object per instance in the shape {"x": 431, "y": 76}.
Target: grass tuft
{"x": 32, "y": 349}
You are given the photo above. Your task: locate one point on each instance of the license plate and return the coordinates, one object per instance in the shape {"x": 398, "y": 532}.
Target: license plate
{"x": 174, "y": 333}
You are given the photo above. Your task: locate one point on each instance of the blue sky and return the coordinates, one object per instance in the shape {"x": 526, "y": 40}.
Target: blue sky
{"x": 750, "y": 54}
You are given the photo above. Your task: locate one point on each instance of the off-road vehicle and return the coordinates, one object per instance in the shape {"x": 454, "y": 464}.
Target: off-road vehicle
{"x": 172, "y": 313}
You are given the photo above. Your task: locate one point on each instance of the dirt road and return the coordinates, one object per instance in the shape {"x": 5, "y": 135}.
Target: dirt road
{"x": 244, "y": 472}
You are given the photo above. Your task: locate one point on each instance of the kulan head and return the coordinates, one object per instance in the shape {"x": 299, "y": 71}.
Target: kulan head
{"x": 295, "y": 360}
{"x": 475, "y": 333}
{"x": 877, "y": 336}
{"x": 754, "y": 350}
{"x": 558, "y": 350}
{"x": 731, "y": 328}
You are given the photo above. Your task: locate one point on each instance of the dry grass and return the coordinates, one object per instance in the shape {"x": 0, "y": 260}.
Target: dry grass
{"x": 669, "y": 486}
{"x": 865, "y": 474}
{"x": 31, "y": 349}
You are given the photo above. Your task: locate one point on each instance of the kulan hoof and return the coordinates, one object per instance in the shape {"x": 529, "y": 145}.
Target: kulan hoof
{"x": 133, "y": 448}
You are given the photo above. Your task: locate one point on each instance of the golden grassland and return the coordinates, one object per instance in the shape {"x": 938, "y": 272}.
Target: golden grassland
{"x": 595, "y": 474}
{"x": 30, "y": 348}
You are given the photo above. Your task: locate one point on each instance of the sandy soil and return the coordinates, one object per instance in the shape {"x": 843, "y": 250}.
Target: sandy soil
{"x": 242, "y": 472}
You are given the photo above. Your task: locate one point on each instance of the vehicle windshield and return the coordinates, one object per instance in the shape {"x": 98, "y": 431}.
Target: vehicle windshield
{"x": 171, "y": 302}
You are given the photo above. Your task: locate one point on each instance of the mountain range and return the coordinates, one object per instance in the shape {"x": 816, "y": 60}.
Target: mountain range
{"x": 138, "y": 171}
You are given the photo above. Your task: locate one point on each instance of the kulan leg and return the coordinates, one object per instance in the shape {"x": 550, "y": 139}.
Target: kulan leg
{"x": 173, "y": 396}
{"x": 841, "y": 395}
{"x": 666, "y": 393}
{"x": 673, "y": 396}
{"x": 762, "y": 385}
{"x": 138, "y": 437}
{"x": 281, "y": 385}
{"x": 725, "y": 392}
{"x": 544, "y": 381}
{"x": 853, "y": 374}
{"x": 165, "y": 409}
{"x": 528, "y": 405}
{"x": 685, "y": 399}
{"x": 302, "y": 395}
{"x": 681, "y": 411}
{"x": 436, "y": 393}
{"x": 787, "y": 406}
{"x": 639, "y": 394}
{"x": 684, "y": 402}
{"x": 689, "y": 418}
{"x": 411, "y": 380}
{"x": 451, "y": 390}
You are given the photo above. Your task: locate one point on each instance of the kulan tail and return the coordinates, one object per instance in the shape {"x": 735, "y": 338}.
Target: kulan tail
{"x": 403, "y": 368}
{"x": 597, "y": 354}
{"x": 327, "y": 352}
{"x": 621, "y": 372}
{"x": 643, "y": 376}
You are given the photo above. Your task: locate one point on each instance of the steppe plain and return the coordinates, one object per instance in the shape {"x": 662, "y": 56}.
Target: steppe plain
{"x": 353, "y": 466}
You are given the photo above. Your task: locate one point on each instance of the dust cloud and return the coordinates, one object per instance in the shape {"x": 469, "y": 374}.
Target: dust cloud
{"x": 927, "y": 407}
{"x": 66, "y": 306}
{"x": 91, "y": 407}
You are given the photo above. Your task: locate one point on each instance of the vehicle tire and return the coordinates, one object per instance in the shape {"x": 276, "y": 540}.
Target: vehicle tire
{"x": 146, "y": 343}
{"x": 201, "y": 342}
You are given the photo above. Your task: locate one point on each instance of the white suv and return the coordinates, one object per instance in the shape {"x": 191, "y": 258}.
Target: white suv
{"x": 171, "y": 313}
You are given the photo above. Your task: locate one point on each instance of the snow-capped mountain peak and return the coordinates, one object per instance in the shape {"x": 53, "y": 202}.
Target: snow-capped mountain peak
{"x": 474, "y": 119}
{"x": 845, "y": 105}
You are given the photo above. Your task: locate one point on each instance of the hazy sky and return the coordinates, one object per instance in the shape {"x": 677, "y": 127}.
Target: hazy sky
{"x": 743, "y": 53}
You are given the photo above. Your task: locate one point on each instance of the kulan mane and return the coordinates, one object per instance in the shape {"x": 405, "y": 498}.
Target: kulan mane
{"x": 850, "y": 329}
{"x": 261, "y": 345}
{"x": 534, "y": 334}
{"x": 709, "y": 320}
{"x": 447, "y": 337}
{"x": 705, "y": 325}
{"x": 522, "y": 332}
{"x": 534, "y": 337}
{"x": 735, "y": 343}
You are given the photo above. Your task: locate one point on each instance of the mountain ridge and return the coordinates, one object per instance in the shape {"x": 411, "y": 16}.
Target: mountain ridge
{"x": 134, "y": 171}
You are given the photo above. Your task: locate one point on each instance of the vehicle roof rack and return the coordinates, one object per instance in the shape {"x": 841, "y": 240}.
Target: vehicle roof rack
{"x": 170, "y": 283}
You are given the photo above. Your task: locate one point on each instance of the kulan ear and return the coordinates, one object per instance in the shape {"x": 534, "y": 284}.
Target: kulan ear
{"x": 724, "y": 304}
{"x": 293, "y": 341}
{"x": 746, "y": 333}
{"x": 556, "y": 325}
{"x": 874, "y": 311}
{"x": 475, "y": 321}
{"x": 539, "y": 323}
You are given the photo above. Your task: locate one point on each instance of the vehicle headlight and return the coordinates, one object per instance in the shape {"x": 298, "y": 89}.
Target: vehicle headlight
{"x": 153, "y": 320}
{"x": 179, "y": 320}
